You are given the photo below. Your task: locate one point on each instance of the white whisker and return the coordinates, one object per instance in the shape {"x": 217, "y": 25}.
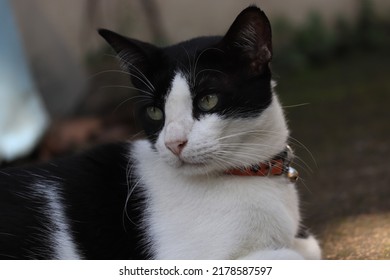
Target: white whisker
{"x": 198, "y": 58}
{"x": 129, "y": 87}
{"x": 190, "y": 70}
{"x": 210, "y": 70}
{"x": 142, "y": 78}
{"x": 128, "y": 63}
{"x": 296, "y": 105}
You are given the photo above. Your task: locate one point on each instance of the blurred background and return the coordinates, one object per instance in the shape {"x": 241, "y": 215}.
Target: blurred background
{"x": 331, "y": 62}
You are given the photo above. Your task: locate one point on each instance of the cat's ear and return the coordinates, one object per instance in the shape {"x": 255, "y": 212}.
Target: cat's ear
{"x": 135, "y": 56}
{"x": 250, "y": 39}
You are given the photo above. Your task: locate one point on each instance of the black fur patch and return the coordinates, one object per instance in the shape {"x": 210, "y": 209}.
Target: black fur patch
{"x": 303, "y": 232}
{"x": 94, "y": 188}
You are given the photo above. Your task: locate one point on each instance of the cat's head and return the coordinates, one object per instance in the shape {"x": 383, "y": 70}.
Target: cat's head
{"x": 207, "y": 104}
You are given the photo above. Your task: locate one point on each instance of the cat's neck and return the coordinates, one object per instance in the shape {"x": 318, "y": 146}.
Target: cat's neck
{"x": 279, "y": 165}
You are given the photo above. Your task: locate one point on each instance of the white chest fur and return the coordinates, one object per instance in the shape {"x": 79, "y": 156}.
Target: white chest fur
{"x": 215, "y": 217}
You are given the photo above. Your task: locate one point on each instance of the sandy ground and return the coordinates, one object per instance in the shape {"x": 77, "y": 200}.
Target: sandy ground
{"x": 345, "y": 189}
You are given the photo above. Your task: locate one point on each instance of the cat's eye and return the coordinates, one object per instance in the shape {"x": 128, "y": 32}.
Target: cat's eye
{"x": 208, "y": 102}
{"x": 155, "y": 113}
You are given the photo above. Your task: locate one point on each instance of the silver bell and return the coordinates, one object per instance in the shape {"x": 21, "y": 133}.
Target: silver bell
{"x": 292, "y": 174}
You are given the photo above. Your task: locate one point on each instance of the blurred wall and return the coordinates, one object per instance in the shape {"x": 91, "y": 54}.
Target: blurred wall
{"x": 76, "y": 20}
{"x": 59, "y": 34}
{"x": 186, "y": 18}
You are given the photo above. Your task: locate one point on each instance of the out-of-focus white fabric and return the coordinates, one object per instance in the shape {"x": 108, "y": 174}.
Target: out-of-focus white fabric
{"x": 23, "y": 118}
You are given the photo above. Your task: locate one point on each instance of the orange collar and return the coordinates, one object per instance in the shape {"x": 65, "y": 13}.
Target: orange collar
{"x": 279, "y": 165}
{"x": 273, "y": 167}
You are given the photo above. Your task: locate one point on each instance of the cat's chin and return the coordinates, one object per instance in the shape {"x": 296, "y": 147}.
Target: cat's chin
{"x": 196, "y": 170}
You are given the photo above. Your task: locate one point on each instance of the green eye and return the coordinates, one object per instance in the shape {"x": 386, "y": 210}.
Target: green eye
{"x": 208, "y": 102}
{"x": 154, "y": 113}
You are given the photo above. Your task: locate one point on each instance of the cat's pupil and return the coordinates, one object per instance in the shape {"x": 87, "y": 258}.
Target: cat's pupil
{"x": 208, "y": 102}
{"x": 154, "y": 113}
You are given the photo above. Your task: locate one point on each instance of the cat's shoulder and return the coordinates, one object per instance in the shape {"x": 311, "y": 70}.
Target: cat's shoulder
{"x": 96, "y": 161}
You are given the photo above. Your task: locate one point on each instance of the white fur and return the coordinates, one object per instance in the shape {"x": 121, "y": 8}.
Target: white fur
{"x": 309, "y": 248}
{"x": 194, "y": 211}
{"x": 61, "y": 239}
{"x": 178, "y": 119}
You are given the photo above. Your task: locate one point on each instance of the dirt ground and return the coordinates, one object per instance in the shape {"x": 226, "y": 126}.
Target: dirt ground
{"x": 345, "y": 189}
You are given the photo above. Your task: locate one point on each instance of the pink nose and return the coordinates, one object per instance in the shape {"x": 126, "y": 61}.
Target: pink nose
{"x": 176, "y": 146}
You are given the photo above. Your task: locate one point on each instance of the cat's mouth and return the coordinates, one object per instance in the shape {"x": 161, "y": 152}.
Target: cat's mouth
{"x": 183, "y": 162}
{"x": 189, "y": 158}
{"x": 204, "y": 164}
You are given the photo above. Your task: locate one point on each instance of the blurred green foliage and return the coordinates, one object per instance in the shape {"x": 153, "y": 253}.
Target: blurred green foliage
{"x": 315, "y": 43}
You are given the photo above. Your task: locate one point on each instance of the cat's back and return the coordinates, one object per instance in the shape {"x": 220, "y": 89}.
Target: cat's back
{"x": 70, "y": 208}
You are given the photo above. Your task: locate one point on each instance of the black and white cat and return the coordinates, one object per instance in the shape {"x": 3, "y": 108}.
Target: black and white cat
{"x": 209, "y": 182}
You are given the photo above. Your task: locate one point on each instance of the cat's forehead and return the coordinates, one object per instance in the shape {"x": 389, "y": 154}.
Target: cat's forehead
{"x": 190, "y": 56}
{"x": 191, "y": 61}
{"x": 185, "y": 52}
{"x": 178, "y": 101}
